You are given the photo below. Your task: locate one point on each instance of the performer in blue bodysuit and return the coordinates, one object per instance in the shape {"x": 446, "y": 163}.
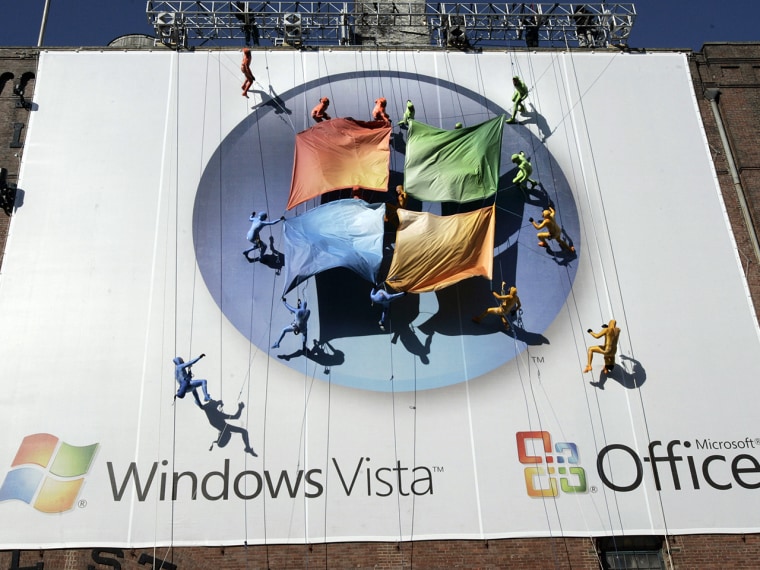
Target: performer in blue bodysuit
{"x": 183, "y": 374}
{"x": 257, "y": 224}
{"x": 300, "y": 322}
{"x": 383, "y": 298}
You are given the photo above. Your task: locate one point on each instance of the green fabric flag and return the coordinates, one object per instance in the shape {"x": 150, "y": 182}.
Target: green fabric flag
{"x": 453, "y": 166}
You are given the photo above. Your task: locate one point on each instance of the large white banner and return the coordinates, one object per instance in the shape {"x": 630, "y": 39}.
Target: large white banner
{"x": 139, "y": 175}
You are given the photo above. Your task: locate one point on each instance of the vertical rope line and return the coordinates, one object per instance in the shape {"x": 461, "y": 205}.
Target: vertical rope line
{"x": 616, "y": 277}
{"x": 164, "y": 289}
{"x": 170, "y": 550}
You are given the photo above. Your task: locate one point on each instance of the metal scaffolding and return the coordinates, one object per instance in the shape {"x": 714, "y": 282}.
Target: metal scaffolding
{"x": 185, "y": 23}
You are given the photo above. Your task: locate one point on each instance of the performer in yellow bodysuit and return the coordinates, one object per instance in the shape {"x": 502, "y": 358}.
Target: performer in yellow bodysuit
{"x": 510, "y": 304}
{"x": 611, "y": 333}
{"x": 553, "y": 231}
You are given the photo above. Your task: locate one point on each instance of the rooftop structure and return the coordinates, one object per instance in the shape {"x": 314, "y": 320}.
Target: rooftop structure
{"x": 184, "y": 23}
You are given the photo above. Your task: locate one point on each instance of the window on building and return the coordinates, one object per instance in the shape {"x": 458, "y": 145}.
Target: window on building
{"x": 631, "y": 552}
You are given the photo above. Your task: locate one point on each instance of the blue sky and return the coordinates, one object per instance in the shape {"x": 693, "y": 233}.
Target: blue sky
{"x": 660, "y": 23}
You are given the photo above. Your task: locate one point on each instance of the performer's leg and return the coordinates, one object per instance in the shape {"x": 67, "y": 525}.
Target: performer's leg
{"x": 282, "y": 335}
{"x": 591, "y": 351}
{"x": 202, "y": 385}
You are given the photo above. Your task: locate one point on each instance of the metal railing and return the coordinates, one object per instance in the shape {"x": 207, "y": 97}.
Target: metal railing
{"x": 185, "y": 23}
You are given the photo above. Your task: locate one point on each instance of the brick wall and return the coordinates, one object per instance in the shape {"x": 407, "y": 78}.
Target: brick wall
{"x": 734, "y": 69}
{"x": 693, "y": 552}
{"x": 14, "y": 63}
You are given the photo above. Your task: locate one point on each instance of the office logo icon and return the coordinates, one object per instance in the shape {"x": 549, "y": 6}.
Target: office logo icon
{"x": 47, "y": 473}
{"x": 550, "y": 468}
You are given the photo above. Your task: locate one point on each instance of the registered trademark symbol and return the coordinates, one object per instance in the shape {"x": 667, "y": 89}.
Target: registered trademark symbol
{"x": 592, "y": 488}
{"x": 757, "y": 441}
{"x": 82, "y": 503}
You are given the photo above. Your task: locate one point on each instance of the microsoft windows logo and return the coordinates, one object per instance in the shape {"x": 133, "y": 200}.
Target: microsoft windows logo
{"x": 47, "y": 473}
{"x": 551, "y": 465}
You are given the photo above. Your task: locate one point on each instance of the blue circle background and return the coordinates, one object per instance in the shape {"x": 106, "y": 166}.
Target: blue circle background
{"x": 431, "y": 341}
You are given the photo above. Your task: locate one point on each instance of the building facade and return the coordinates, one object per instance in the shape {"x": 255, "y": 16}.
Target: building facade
{"x": 726, "y": 81}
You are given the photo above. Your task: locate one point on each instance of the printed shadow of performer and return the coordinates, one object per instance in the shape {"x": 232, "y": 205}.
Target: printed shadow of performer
{"x": 218, "y": 419}
{"x": 518, "y": 332}
{"x": 272, "y": 99}
{"x": 345, "y": 310}
{"x": 533, "y": 116}
{"x": 321, "y": 352}
{"x": 411, "y": 341}
{"x": 631, "y": 380}
{"x": 274, "y": 260}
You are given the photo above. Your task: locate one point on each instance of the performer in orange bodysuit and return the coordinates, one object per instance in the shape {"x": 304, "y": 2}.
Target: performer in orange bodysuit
{"x": 611, "y": 333}
{"x": 510, "y": 304}
{"x": 391, "y": 210}
{"x": 553, "y": 231}
{"x": 245, "y": 67}
{"x": 319, "y": 113}
{"x": 378, "y": 113}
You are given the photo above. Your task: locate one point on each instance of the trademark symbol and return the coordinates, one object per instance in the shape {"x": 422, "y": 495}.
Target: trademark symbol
{"x": 82, "y": 503}
{"x": 592, "y": 489}
{"x": 437, "y": 469}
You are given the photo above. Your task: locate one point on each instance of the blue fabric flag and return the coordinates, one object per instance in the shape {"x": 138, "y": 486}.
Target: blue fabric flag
{"x": 345, "y": 233}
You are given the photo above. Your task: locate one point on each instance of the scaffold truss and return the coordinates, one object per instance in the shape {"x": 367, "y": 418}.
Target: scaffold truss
{"x": 184, "y": 23}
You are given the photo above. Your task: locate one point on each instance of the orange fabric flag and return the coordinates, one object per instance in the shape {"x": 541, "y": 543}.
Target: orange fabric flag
{"x": 337, "y": 154}
{"x": 433, "y": 252}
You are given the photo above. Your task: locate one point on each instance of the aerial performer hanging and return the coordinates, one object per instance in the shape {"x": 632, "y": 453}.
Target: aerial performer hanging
{"x": 300, "y": 322}
{"x": 508, "y": 306}
{"x": 381, "y": 297}
{"x": 401, "y": 196}
{"x": 183, "y": 374}
{"x": 245, "y": 67}
{"x": 319, "y": 112}
{"x": 408, "y": 114}
{"x": 553, "y": 230}
{"x": 390, "y": 209}
{"x": 379, "y": 113}
{"x": 524, "y": 170}
{"x": 520, "y": 94}
{"x": 611, "y": 333}
{"x": 257, "y": 224}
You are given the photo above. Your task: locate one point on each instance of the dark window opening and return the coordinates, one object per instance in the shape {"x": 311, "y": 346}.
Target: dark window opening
{"x": 631, "y": 552}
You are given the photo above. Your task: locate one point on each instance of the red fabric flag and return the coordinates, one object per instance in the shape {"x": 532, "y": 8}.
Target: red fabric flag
{"x": 337, "y": 154}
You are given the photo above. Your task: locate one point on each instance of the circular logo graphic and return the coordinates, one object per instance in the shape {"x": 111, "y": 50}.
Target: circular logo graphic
{"x": 429, "y": 340}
